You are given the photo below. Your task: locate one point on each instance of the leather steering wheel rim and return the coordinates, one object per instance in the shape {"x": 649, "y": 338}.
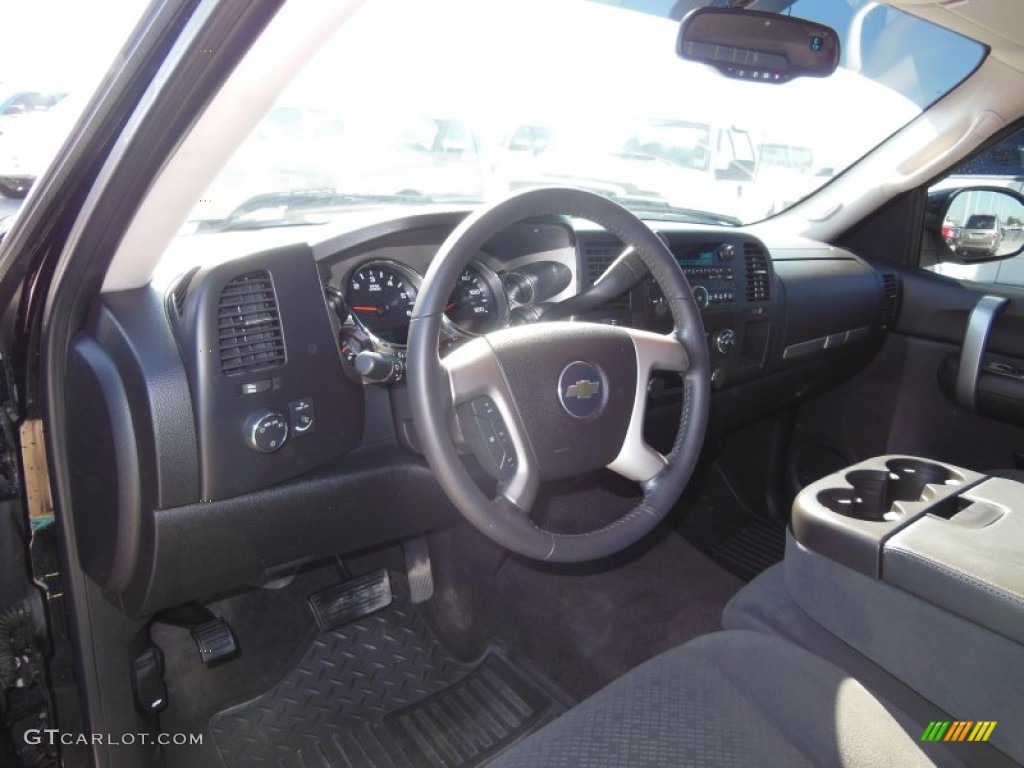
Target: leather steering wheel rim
{"x": 477, "y": 369}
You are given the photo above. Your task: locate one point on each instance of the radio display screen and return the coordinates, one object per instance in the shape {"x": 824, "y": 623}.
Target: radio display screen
{"x": 700, "y": 255}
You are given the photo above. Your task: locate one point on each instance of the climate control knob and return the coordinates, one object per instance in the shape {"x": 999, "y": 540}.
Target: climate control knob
{"x": 266, "y": 430}
{"x": 725, "y": 340}
{"x": 701, "y": 296}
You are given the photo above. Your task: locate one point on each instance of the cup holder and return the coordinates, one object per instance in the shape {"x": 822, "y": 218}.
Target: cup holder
{"x": 875, "y": 491}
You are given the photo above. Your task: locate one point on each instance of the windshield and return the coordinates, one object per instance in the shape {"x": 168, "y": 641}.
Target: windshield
{"x": 462, "y": 101}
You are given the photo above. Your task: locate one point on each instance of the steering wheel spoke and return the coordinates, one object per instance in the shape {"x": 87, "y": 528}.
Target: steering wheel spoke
{"x": 654, "y": 352}
{"x": 489, "y": 422}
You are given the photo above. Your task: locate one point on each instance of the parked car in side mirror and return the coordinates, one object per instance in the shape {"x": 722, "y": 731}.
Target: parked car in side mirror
{"x": 976, "y": 224}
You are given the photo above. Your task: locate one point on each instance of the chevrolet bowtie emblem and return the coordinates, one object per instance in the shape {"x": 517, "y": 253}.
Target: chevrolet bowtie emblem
{"x": 583, "y": 389}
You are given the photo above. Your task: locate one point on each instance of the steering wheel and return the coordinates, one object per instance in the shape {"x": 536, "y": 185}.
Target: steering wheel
{"x": 552, "y": 400}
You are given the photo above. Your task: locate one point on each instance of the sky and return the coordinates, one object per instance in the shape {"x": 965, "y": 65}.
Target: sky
{"x": 62, "y": 44}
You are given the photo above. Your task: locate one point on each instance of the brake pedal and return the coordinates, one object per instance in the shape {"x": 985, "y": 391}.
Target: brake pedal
{"x": 344, "y": 603}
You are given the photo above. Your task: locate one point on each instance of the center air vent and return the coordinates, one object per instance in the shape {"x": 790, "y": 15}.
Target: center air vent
{"x": 597, "y": 259}
{"x": 249, "y": 325}
{"x": 759, "y": 276}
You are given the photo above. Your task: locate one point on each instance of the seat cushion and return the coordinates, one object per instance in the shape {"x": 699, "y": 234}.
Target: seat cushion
{"x": 733, "y": 698}
{"x": 766, "y": 605}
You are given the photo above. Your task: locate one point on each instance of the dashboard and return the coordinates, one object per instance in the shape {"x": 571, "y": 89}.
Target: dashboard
{"x": 250, "y": 415}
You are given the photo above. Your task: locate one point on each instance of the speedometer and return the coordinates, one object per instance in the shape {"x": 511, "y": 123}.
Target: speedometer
{"x": 382, "y": 294}
{"x": 477, "y": 304}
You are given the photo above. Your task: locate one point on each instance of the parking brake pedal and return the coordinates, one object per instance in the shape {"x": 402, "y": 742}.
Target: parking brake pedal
{"x": 344, "y": 603}
{"x": 215, "y": 641}
{"x": 212, "y": 635}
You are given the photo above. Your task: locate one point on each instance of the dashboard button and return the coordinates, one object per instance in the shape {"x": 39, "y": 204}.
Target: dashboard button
{"x": 302, "y": 416}
{"x": 255, "y": 387}
{"x": 266, "y": 430}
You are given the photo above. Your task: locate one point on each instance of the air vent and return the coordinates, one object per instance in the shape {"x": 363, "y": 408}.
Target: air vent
{"x": 249, "y": 325}
{"x": 759, "y": 275}
{"x": 597, "y": 259}
{"x": 180, "y": 291}
{"x": 890, "y": 299}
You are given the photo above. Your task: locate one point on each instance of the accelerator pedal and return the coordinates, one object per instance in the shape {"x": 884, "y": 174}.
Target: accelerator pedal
{"x": 344, "y": 603}
{"x": 417, "y": 564}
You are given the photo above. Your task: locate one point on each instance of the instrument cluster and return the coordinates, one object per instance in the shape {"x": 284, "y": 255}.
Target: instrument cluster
{"x": 375, "y": 301}
{"x": 381, "y": 295}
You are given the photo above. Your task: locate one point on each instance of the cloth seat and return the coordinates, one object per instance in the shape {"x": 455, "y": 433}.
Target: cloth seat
{"x": 765, "y": 605}
{"x": 732, "y": 698}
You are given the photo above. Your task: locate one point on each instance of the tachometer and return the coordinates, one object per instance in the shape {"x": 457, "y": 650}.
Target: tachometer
{"x": 381, "y": 294}
{"x": 477, "y": 304}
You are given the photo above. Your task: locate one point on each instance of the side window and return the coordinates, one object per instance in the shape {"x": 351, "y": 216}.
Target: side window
{"x": 979, "y": 227}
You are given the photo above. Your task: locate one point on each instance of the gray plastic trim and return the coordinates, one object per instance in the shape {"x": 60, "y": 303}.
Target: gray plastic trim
{"x": 637, "y": 460}
{"x": 979, "y": 324}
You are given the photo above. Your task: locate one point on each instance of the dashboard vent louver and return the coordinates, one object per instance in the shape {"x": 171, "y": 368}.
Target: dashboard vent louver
{"x": 890, "y": 299}
{"x": 759, "y": 275}
{"x": 597, "y": 259}
{"x": 249, "y": 325}
{"x": 180, "y": 291}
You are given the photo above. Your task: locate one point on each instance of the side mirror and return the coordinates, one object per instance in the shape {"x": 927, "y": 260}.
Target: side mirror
{"x": 755, "y": 45}
{"x": 976, "y": 224}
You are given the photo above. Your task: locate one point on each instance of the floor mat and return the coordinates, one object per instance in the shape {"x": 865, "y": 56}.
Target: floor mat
{"x": 383, "y": 691}
{"x": 584, "y": 625}
{"x": 751, "y": 548}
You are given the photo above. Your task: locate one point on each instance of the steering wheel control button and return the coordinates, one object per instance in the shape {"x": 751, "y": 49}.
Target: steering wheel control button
{"x": 302, "y": 417}
{"x": 485, "y": 430}
{"x": 266, "y": 430}
{"x": 582, "y": 389}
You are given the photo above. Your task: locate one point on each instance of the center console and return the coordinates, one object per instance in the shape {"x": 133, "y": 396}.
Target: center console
{"x": 734, "y": 287}
{"x": 919, "y": 565}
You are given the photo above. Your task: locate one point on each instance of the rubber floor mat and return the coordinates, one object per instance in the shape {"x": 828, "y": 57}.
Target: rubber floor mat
{"x": 751, "y": 549}
{"x": 383, "y": 691}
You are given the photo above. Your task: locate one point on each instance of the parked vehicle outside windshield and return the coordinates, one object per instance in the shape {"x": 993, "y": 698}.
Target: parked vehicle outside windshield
{"x": 53, "y": 56}
{"x": 508, "y": 94}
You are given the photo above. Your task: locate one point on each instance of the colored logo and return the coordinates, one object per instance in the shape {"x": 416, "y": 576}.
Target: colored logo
{"x": 958, "y": 730}
{"x": 581, "y": 391}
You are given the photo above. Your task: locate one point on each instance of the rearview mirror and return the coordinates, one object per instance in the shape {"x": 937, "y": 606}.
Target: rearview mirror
{"x": 979, "y": 224}
{"x": 754, "y": 45}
